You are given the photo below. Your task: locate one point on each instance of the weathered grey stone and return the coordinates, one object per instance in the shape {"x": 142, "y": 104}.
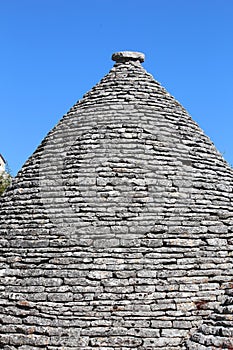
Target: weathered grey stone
{"x": 124, "y": 56}
{"x": 216, "y": 332}
{"x": 117, "y": 232}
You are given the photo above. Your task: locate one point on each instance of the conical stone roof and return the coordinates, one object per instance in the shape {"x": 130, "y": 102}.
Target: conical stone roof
{"x": 117, "y": 232}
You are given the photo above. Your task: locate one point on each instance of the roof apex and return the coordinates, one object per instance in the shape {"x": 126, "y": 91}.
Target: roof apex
{"x": 124, "y": 56}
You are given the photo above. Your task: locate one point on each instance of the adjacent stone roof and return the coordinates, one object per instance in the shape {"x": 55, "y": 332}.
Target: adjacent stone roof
{"x": 3, "y": 160}
{"x": 117, "y": 232}
{"x": 2, "y": 163}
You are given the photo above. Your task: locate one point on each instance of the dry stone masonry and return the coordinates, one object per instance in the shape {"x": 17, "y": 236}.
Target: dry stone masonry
{"x": 118, "y": 231}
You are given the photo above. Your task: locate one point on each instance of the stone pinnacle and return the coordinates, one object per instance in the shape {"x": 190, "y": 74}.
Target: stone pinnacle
{"x": 124, "y": 56}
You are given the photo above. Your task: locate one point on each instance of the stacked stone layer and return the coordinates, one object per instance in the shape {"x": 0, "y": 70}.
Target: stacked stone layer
{"x": 117, "y": 233}
{"x": 217, "y": 331}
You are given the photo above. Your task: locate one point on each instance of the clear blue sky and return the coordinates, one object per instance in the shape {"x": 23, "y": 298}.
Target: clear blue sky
{"x": 53, "y": 51}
